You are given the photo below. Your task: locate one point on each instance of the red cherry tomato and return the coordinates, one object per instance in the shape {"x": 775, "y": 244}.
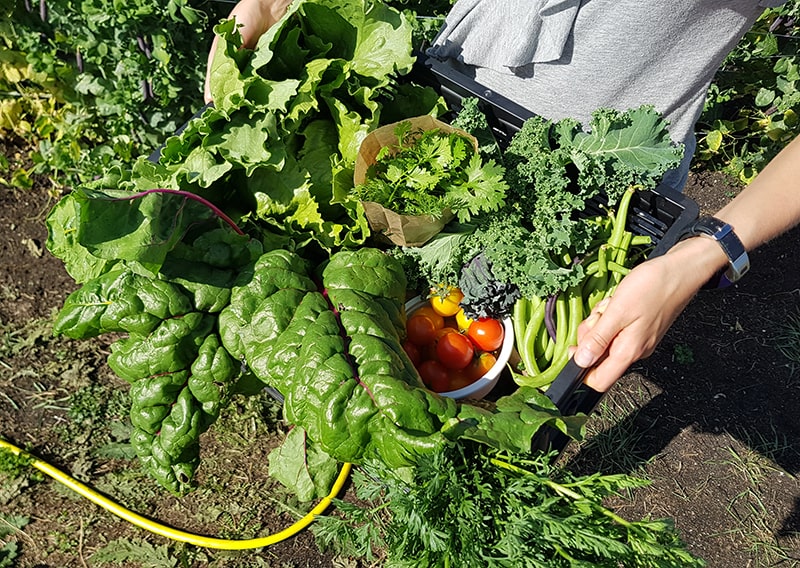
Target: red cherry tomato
{"x": 425, "y": 310}
{"x": 480, "y": 366}
{"x": 413, "y": 352}
{"x": 428, "y": 351}
{"x": 421, "y": 330}
{"x": 433, "y": 374}
{"x": 459, "y": 378}
{"x": 486, "y": 333}
{"x": 444, "y": 331}
{"x": 454, "y": 351}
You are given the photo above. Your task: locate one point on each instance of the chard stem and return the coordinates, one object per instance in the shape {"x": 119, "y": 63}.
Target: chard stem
{"x": 188, "y": 195}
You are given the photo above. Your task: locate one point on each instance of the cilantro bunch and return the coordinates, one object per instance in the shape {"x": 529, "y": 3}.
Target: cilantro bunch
{"x": 430, "y": 171}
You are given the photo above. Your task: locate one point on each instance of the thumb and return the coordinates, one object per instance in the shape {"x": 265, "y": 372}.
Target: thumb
{"x": 592, "y": 346}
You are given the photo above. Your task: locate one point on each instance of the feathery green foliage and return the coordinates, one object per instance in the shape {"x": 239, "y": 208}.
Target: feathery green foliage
{"x": 471, "y": 507}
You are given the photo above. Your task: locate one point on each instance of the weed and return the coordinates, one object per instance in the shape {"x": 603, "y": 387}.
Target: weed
{"x": 754, "y": 462}
{"x": 755, "y": 527}
{"x": 15, "y": 466}
{"x": 683, "y": 354}
{"x": 123, "y": 552}
{"x": 248, "y": 418}
{"x": 10, "y": 525}
{"x": 613, "y": 435}
{"x": 787, "y": 341}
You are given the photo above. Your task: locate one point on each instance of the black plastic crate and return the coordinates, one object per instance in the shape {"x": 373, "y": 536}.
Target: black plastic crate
{"x": 661, "y": 213}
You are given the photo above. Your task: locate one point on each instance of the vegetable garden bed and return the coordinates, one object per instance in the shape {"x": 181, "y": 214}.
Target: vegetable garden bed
{"x": 138, "y": 284}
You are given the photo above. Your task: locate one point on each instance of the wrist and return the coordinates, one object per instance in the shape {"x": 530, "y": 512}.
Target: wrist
{"x": 698, "y": 259}
{"x": 723, "y": 234}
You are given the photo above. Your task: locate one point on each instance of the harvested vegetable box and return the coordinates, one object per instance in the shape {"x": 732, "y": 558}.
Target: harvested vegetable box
{"x": 660, "y": 213}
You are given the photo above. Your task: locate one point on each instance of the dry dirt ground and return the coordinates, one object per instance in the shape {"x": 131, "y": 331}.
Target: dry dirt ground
{"x": 711, "y": 418}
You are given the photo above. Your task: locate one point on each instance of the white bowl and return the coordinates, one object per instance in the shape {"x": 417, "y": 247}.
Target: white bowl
{"x": 484, "y": 385}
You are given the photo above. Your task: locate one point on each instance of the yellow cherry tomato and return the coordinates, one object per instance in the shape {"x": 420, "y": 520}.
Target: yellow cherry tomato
{"x": 462, "y": 321}
{"x": 447, "y": 305}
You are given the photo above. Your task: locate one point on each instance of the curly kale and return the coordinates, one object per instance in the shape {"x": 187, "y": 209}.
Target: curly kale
{"x": 470, "y": 118}
{"x": 556, "y": 167}
{"x": 521, "y": 257}
{"x": 555, "y": 171}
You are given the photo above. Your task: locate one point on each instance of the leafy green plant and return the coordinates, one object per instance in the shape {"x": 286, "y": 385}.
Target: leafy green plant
{"x": 753, "y": 106}
{"x": 682, "y": 354}
{"x": 9, "y": 551}
{"x": 472, "y": 508}
{"x": 429, "y": 171}
{"x": 122, "y": 551}
{"x": 14, "y": 465}
{"x": 95, "y": 84}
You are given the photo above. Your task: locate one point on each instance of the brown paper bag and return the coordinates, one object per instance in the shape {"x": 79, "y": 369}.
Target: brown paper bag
{"x": 402, "y": 230}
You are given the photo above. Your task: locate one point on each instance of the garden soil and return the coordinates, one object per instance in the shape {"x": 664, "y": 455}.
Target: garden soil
{"x": 711, "y": 418}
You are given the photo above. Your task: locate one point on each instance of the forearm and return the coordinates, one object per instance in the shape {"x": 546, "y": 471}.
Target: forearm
{"x": 767, "y": 207}
{"x": 651, "y": 297}
{"x": 770, "y": 205}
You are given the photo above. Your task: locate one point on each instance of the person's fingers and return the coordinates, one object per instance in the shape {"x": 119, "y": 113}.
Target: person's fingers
{"x": 592, "y": 318}
{"x": 606, "y": 372}
{"x": 592, "y": 344}
{"x": 252, "y": 19}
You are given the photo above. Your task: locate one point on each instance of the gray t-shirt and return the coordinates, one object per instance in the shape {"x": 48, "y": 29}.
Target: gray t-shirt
{"x": 566, "y": 58}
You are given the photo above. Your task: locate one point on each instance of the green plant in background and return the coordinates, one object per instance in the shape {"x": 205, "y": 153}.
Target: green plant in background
{"x": 10, "y": 524}
{"x": 93, "y": 84}
{"x": 752, "y": 108}
{"x": 426, "y": 17}
{"x": 787, "y": 341}
{"x": 682, "y": 354}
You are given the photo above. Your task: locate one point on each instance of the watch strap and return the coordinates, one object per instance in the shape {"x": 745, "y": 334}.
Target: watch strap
{"x": 727, "y": 239}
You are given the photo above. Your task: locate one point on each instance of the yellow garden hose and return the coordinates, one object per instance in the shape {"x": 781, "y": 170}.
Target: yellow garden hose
{"x": 169, "y": 532}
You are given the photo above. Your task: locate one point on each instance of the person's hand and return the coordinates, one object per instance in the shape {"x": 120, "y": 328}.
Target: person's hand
{"x": 254, "y": 18}
{"x": 629, "y": 325}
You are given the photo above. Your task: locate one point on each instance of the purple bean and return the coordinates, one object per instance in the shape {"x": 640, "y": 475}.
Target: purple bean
{"x": 549, "y": 316}
{"x": 28, "y": 6}
{"x": 79, "y": 59}
{"x": 43, "y": 10}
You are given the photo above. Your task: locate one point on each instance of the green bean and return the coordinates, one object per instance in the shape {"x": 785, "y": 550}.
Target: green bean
{"x": 526, "y": 343}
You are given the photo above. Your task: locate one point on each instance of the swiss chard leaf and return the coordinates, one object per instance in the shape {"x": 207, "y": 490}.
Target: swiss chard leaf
{"x": 299, "y": 465}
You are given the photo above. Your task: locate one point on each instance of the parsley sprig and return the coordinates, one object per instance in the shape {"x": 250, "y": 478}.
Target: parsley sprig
{"x": 429, "y": 171}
